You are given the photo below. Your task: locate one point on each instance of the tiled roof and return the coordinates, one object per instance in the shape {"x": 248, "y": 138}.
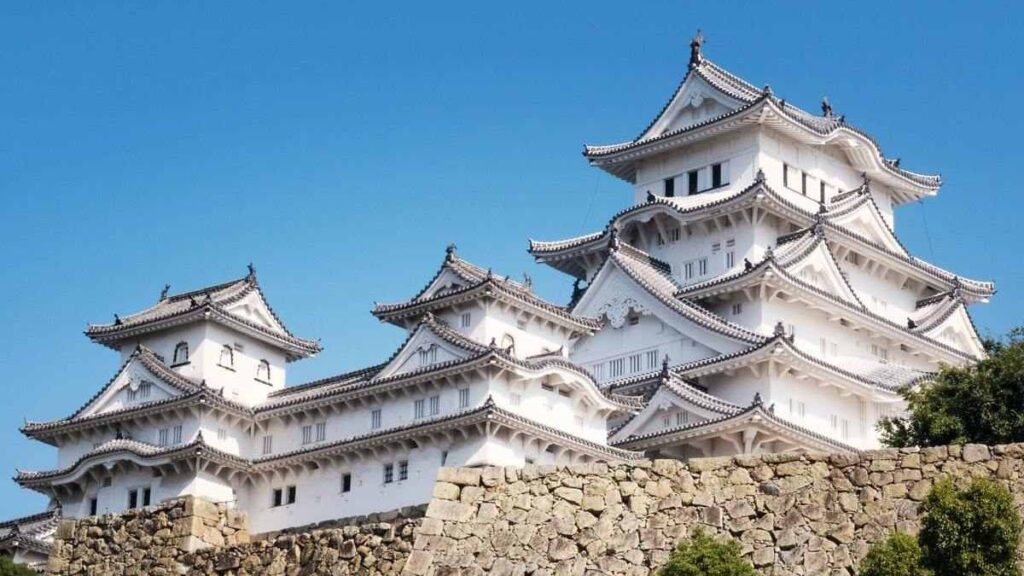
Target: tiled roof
{"x": 124, "y": 446}
{"x": 480, "y": 283}
{"x": 206, "y": 302}
{"x": 752, "y": 100}
{"x": 755, "y": 410}
{"x": 32, "y": 532}
{"x": 663, "y": 287}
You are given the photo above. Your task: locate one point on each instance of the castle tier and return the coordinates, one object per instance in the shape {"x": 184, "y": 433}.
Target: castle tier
{"x": 753, "y": 298}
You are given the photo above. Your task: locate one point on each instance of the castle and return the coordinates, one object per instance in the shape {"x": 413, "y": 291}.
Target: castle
{"x": 754, "y": 297}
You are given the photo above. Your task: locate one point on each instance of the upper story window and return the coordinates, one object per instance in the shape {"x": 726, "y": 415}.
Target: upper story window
{"x": 463, "y": 398}
{"x": 375, "y": 419}
{"x": 707, "y": 178}
{"x": 428, "y": 356}
{"x": 670, "y": 187}
{"x": 466, "y": 319}
{"x": 263, "y": 371}
{"x": 180, "y": 353}
{"x": 268, "y": 444}
{"x": 227, "y": 357}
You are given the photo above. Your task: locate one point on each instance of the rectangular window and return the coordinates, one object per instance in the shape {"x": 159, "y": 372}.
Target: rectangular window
{"x": 737, "y": 309}
{"x": 670, "y": 187}
{"x": 291, "y": 495}
{"x": 133, "y": 395}
{"x": 435, "y": 405}
{"x": 389, "y": 473}
{"x": 716, "y": 247}
{"x": 346, "y": 483}
{"x": 419, "y": 408}
{"x": 517, "y": 399}
{"x": 785, "y": 175}
{"x": 467, "y": 318}
{"x": 716, "y": 175}
{"x": 321, "y": 431}
{"x": 222, "y": 434}
{"x": 730, "y": 259}
{"x": 444, "y": 457}
{"x": 691, "y": 182}
{"x": 463, "y": 398}
{"x": 652, "y": 359}
{"x": 163, "y": 437}
{"x": 403, "y": 470}
{"x": 307, "y": 434}
{"x": 598, "y": 370}
{"x": 268, "y": 444}
{"x": 821, "y": 197}
{"x": 682, "y": 418}
{"x": 834, "y": 421}
{"x": 144, "y": 389}
{"x": 147, "y": 495}
{"x": 375, "y": 419}
{"x": 702, "y": 265}
{"x": 666, "y": 421}
{"x": 133, "y": 499}
{"x": 277, "y": 498}
{"x": 801, "y": 409}
{"x": 674, "y": 234}
{"x": 94, "y": 505}
{"x": 688, "y": 270}
{"x": 846, "y": 429}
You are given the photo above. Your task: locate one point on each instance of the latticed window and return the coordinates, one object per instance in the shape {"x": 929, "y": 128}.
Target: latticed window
{"x": 181, "y": 353}
{"x": 227, "y": 356}
{"x": 263, "y": 371}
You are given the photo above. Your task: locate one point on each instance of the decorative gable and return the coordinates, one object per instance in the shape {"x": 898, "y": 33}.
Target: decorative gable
{"x": 425, "y": 347}
{"x": 135, "y": 384}
{"x": 819, "y": 269}
{"x": 865, "y": 220}
{"x": 694, "y": 102}
{"x": 957, "y": 330}
{"x": 671, "y": 406}
{"x": 253, "y": 308}
{"x": 446, "y": 281}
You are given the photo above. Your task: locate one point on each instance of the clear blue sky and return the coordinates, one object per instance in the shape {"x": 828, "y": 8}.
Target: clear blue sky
{"x": 340, "y": 146}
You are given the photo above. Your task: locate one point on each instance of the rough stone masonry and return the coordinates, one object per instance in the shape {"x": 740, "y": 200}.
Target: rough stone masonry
{"x": 793, "y": 514}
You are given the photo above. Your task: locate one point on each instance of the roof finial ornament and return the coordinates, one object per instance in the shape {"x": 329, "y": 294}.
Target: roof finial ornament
{"x": 767, "y": 90}
{"x": 695, "y": 45}
{"x": 494, "y": 344}
{"x": 527, "y": 280}
{"x": 664, "y": 366}
{"x": 895, "y": 162}
{"x": 650, "y": 196}
{"x": 163, "y": 293}
{"x": 782, "y": 103}
{"x": 613, "y": 239}
{"x": 117, "y": 320}
{"x": 769, "y": 253}
{"x": 780, "y": 329}
{"x": 252, "y": 271}
{"x": 866, "y": 181}
{"x": 577, "y": 292}
{"x": 759, "y": 176}
{"x": 449, "y": 252}
{"x": 758, "y": 401}
{"x": 490, "y": 273}
{"x": 911, "y": 324}
{"x": 747, "y": 265}
{"x": 826, "y": 108}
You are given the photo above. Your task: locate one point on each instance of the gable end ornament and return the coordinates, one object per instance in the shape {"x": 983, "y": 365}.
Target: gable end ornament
{"x": 695, "y": 45}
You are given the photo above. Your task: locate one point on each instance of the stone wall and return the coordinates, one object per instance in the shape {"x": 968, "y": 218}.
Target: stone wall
{"x": 811, "y": 514}
{"x": 194, "y": 537}
{"x": 793, "y": 514}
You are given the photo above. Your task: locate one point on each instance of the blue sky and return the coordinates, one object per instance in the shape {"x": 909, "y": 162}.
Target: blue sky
{"x": 341, "y": 146}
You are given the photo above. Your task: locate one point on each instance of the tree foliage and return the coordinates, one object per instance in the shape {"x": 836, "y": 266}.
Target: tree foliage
{"x": 9, "y": 568}
{"x": 897, "y": 555}
{"x": 702, "y": 555}
{"x": 972, "y": 531}
{"x": 983, "y": 403}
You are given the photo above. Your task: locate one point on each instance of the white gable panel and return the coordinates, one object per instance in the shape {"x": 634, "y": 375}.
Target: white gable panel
{"x": 423, "y": 349}
{"x": 958, "y": 331}
{"x": 134, "y": 385}
{"x": 613, "y": 296}
{"x": 866, "y": 221}
{"x": 666, "y": 409}
{"x": 254, "y": 309}
{"x": 695, "y": 102}
{"x": 819, "y": 269}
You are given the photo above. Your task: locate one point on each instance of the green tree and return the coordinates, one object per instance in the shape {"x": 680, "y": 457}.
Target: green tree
{"x": 9, "y": 568}
{"x": 972, "y": 531}
{"x": 983, "y": 403}
{"x": 702, "y": 555}
{"x": 897, "y": 555}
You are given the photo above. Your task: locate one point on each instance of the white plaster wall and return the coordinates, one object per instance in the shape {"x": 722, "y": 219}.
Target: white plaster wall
{"x": 738, "y": 149}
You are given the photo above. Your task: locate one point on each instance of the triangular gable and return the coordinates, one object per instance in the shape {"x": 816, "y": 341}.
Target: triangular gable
{"x": 818, "y": 267}
{"x": 425, "y": 347}
{"x": 695, "y": 101}
{"x": 129, "y": 388}
{"x": 957, "y": 330}
{"x": 669, "y": 407}
{"x": 867, "y": 221}
{"x": 613, "y": 295}
{"x": 254, "y": 308}
{"x": 445, "y": 281}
